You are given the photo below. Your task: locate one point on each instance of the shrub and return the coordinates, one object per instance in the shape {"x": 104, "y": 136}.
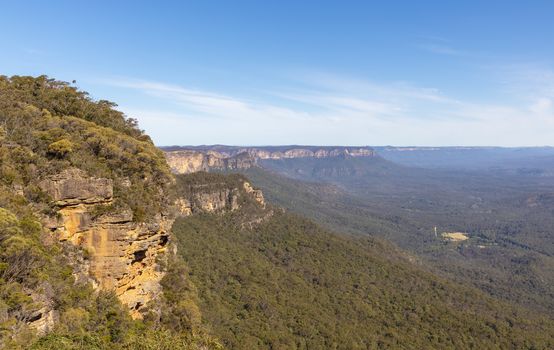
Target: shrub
{"x": 61, "y": 148}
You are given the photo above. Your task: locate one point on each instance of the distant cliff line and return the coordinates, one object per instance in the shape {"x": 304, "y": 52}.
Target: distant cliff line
{"x": 187, "y": 159}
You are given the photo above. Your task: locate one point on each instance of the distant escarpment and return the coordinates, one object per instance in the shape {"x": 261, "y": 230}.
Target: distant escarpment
{"x": 183, "y": 160}
{"x": 189, "y": 161}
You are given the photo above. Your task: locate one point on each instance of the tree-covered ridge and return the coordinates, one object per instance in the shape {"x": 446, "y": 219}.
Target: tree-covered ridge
{"x": 289, "y": 284}
{"x": 47, "y": 126}
{"x": 62, "y": 99}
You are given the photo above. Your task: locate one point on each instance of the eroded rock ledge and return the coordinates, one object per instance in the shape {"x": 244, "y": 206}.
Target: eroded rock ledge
{"x": 122, "y": 253}
{"x": 216, "y": 197}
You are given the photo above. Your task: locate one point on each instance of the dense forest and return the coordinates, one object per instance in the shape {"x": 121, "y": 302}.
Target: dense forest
{"x": 289, "y": 284}
{"x": 507, "y": 216}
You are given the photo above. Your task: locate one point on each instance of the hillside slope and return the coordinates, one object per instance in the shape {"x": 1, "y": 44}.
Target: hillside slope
{"x": 286, "y": 283}
{"x": 509, "y": 251}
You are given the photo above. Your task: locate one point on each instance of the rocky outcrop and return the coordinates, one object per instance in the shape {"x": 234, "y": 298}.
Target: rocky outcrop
{"x": 115, "y": 252}
{"x": 72, "y": 186}
{"x": 44, "y": 318}
{"x": 204, "y": 200}
{"x": 221, "y": 197}
{"x": 184, "y": 162}
{"x": 187, "y": 160}
{"x": 213, "y": 197}
{"x": 122, "y": 253}
{"x": 256, "y": 194}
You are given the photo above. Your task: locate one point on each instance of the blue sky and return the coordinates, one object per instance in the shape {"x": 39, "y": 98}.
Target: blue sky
{"x": 301, "y": 72}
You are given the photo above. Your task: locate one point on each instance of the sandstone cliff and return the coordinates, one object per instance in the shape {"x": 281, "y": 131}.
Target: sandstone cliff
{"x": 123, "y": 255}
{"x": 307, "y": 152}
{"x": 183, "y": 160}
{"x": 122, "y": 252}
{"x": 188, "y": 161}
{"x": 203, "y": 192}
{"x": 214, "y": 196}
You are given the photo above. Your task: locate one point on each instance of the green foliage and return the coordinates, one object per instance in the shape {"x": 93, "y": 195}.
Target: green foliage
{"x": 60, "y": 98}
{"x": 509, "y": 255}
{"x": 25, "y": 266}
{"x": 61, "y": 148}
{"x": 180, "y": 311}
{"x": 49, "y": 126}
{"x": 288, "y": 284}
{"x": 147, "y": 339}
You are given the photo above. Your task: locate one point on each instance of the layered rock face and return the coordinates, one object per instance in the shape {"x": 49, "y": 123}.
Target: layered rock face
{"x": 122, "y": 255}
{"x": 208, "y": 202}
{"x": 188, "y": 160}
{"x": 122, "y": 252}
{"x": 205, "y": 198}
{"x": 261, "y": 153}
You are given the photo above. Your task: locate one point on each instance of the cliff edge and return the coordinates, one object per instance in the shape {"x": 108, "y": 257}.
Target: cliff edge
{"x": 184, "y": 160}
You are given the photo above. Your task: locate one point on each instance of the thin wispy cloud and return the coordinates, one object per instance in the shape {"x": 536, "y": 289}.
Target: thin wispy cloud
{"x": 336, "y": 108}
{"x": 205, "y": 104}
{"x": 392, "y": 91}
